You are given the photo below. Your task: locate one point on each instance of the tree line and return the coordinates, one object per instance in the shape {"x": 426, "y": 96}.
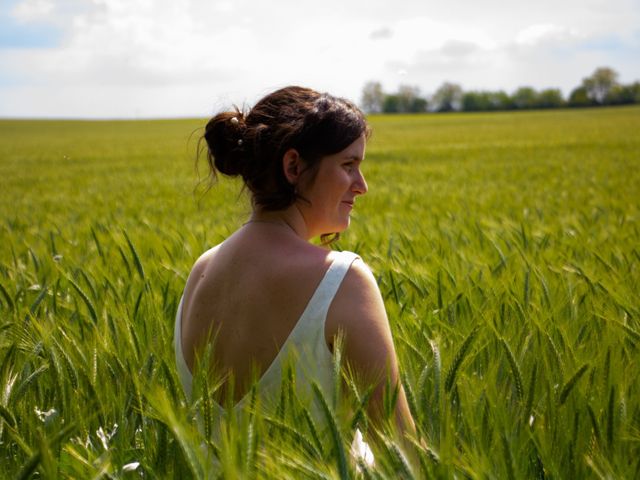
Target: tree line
{"x": 598, "y": 89}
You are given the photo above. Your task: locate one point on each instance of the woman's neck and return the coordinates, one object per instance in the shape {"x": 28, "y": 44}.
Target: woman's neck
{"x": 290, "y": 217}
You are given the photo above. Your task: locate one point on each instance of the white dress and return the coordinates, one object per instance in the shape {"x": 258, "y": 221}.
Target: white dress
{"x": 306, "y": 343}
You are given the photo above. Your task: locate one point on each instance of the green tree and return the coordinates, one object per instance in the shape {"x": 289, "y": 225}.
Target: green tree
{"x": 406, "y": 100}
{"x": 525, "y": 97}
{"x": 500, "y": 100}
{"x": 391, "y": 104}
{"x": 579, "y": 98}
{"x": 624, "y": 94}
{"x": 409, "y": 99}
{"x": 448, "y": 97}
{"x": 475, "y": 101}
{"x": 486, "y": 101}
{"x": 419, "y": 105}
{"x": 550, "y": 98}
{"x": 600, "y": 83}
{"x": 372, "y": 97}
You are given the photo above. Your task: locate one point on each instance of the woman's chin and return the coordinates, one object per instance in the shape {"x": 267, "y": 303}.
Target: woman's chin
{"x": 344, "y": 225}
{"x": 338, "y": 225}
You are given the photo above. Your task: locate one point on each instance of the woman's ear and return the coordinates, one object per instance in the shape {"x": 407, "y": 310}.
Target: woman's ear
{"x": 292, "y": 166}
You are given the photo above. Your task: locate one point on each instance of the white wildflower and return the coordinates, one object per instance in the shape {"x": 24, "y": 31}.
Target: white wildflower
{"x": 44, "y": 416}
{"x": 360, "y": 450}
{"x": 106, "y": 436}
{"x": 131, "y": 467}
{"x": 86, "y": 443}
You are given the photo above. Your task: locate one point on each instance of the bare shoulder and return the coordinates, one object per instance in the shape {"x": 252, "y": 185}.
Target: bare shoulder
{"x": 358, "y": 291}
{"x": 358, "y": 311}
{"x": 203, "y": 260}
{"x": 200, "y": 267}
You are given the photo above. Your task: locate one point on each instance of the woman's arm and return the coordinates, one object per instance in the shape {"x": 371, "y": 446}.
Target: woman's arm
{"x": 358, "y": 311}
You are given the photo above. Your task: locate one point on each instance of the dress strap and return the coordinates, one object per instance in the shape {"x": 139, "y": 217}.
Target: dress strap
{"x": 321, "y": 300}
{"x": 183, "y": 369}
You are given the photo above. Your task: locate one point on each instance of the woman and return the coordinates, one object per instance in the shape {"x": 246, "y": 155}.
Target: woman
{"x": 266, "y": 291}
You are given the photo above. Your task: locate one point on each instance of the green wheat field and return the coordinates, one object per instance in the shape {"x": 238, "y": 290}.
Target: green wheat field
{"x": 506, "y": 247}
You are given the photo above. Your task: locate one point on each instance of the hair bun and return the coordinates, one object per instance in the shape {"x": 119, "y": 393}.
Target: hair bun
{"x": 252, "y": 145}
{"x": 224, "y": 135}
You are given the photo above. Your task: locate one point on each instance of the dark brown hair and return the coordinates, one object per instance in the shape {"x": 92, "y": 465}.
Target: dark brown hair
{"x": 252, "y": 144}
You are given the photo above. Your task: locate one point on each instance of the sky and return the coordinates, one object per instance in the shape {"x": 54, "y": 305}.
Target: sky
{"x": 192, "y": 58}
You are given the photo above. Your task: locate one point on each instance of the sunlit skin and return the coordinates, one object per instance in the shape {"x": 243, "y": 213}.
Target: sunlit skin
{"x": 328, "y": 200}
{"x": 332, "y": 195}
{"x": 253, "y": 313}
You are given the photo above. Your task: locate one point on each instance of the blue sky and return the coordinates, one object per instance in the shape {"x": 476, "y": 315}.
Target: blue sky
{"x": 165, "y": 58}
{"x": 16, "y": 34}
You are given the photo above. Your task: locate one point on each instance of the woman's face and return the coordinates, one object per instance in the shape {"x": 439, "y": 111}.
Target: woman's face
{"x": 332, "y": 193}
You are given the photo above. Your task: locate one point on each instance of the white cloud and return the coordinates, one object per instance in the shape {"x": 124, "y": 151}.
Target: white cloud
{"x": 224, "y": 6}
{"x": 544, "y": 32}
{"x": 32, "y": 10}
{"x": 381, "y": 33}
{"x": 459, "y": 48}
{"x": 146, "y": 57}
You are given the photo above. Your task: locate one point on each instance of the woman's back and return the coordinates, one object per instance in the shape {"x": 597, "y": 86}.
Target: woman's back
{"x": 247, "y": 295}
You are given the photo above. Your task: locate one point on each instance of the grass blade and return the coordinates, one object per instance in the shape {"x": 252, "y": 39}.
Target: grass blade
{"x": 458, "y": 359}
{"x": 566, "y": 390}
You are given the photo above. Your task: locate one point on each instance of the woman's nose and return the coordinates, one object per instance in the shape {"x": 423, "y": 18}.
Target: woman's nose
{"x": 360, "y": 185}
